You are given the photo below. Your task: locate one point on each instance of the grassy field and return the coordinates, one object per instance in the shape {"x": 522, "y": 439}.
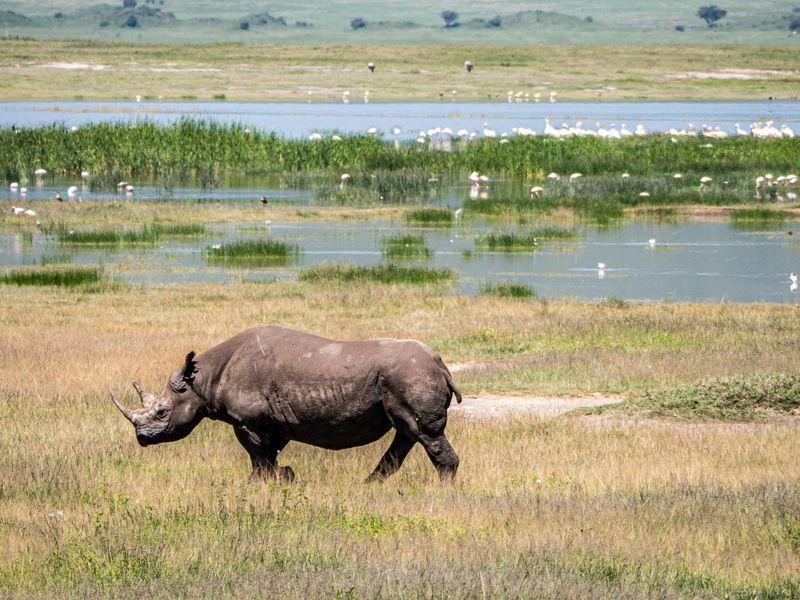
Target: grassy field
{"x": 103, "y": 71}
{"x": 699, "y": 510}
{"x": 415, "y": 22}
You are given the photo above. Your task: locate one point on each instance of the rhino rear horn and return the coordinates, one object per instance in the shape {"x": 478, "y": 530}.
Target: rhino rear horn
{"x": 145, "y": 398}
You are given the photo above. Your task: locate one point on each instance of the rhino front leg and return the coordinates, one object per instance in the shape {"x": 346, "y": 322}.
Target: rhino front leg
{"x": 263, "y": 450}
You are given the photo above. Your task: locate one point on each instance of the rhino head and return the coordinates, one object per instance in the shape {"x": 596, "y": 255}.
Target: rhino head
{"x": 172, "y": 415}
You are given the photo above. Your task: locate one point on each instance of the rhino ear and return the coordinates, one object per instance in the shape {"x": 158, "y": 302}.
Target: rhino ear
{"x": 190, "y": 368}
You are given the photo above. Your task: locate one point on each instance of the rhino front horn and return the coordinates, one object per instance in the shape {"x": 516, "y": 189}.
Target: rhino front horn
{"x": 126, "y": 413}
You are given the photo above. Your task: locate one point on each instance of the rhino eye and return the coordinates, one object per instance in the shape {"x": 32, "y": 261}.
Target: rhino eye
{"x": 161, "y": 413}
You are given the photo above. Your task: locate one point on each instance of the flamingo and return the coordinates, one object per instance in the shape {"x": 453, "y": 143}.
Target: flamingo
{"x": 537, "y": 191}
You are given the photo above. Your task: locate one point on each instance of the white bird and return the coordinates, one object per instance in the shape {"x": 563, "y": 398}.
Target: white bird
{"x": 336, "y": 138}
{"x": 24, "y": 191}
{"x": 457, "y": 214}
{"x": 138, "y": 97}
{"x": 84, "y": 174}
{"x": 677, "y": 176}
{"x": 601, "y": 266}
{"x": 40, "y": 172}
{"x": 640, "y": 130}
{"x": 786, "y": 131}
{"x": 29, "y": 213}
{"x": 705, "y": 180}
{"x": 314, "y": 137}
{"x": 554, "y": 177}
{"x": 537, "y": 191}
{"x": 644, "y": 194}
{"x": 72, "y": 190}
{"x": 484, "y": 179}
{"x": 626, "y": 175}
{"x": 345, "y": 177}
{"x": 14, "y": 186}
{"x": 793, "y": 277}
{"x": 372, "y": 130}
{"x": 17, "y": 210}
{"x": 474, "y": 177}
{"x": 396, "y": 130}
{"x": 651, "y": 242}
{"x": 574, "y": 177}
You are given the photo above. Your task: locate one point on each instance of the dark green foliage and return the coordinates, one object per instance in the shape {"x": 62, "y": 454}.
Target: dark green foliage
{"x": 711, "y": 14}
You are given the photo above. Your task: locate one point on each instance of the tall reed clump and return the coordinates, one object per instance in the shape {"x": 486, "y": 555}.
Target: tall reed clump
{"x": 385, "y": 273}
{"x": 254, "y": 251}
{"x": 521, "y": 242}
{"x": 206, "y": 149}
{"x": 54, "y": 274}
{"x": 430, "y": 217}
{"x": 407, "y": 245}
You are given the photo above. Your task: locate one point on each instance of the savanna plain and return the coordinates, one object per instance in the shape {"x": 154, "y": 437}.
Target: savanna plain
{"x": 685, "y": 484}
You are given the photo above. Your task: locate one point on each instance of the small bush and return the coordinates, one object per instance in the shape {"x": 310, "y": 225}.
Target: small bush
{"x": 244, "y": 25}
{"x": 132, "y": 21}
{"x": 495, "y": 21}
{"x": 450, "y": 18}
{"x": 679, "y": 28}
{"x": 58, "y": 15}
{"x": 128, "y": 3}
{"x": 358, "y": 23}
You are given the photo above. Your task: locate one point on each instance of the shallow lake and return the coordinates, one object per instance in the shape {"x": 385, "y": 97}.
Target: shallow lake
{"x": 694, "y": 260}
{"x": 298, "y": 119}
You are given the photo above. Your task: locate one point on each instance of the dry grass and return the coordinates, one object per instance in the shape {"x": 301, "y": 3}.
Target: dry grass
{"x": 405, "y": 72}
{"x": 623, "y": 508}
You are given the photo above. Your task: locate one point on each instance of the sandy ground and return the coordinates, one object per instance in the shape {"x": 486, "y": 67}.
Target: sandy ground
{"x": 489, "y": 406}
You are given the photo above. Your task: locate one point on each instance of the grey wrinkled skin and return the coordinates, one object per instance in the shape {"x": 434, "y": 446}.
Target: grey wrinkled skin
{"x": 276, "y": 385}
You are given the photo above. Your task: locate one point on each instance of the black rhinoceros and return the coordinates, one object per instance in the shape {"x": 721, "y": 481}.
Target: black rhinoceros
{"x": 275, "y": 385}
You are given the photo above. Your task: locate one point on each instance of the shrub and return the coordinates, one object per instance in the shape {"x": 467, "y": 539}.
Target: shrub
{"x": 128, "y": 3}
{"x": 132, "y": 21}
{"x": 711, "y": 14}
{"x": 358, "y": 23}
{"x": 450, "y": 18}
{"x": 244, "y": 25}
{"x": 495, "y": 21}
{"x": 794, "y": 25}
{"x": 508, "y": 290}
{"x": 679, "y": 28}
{"x": 59, "y": 15}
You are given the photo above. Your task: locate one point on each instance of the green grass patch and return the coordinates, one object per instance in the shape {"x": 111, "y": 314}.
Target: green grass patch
{"x": 388, "y": 273}
{"x": 736, "y": 399}
{"x": 432, "y": 217}
{"x": 520, "y": 242}
{"x": 508, "y": 290}
{"x": 405, "y": 246}
{"x": 147, "y": 235}
{"x": 254, "y": 251}
{"x": 746, "y": 218}
{"x": 54, "y": 274}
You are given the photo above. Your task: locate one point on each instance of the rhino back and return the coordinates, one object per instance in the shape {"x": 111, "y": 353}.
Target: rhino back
{"x": 313, "y": 389}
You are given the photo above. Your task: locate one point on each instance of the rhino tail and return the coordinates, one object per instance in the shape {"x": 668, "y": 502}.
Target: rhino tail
{"x": 449, "y": 379}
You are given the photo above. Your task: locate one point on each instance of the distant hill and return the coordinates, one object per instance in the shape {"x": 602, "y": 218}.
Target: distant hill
{"x": 402, "y": 22}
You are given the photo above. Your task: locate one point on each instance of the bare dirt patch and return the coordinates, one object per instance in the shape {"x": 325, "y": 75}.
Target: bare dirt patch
{"x": 490, "y": 406}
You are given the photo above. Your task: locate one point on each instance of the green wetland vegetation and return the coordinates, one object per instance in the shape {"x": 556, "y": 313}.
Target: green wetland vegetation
{"x": 253, "y": 251}
{"x": 405, "y": 246}
{"x": 385, "y": 273}
{"x": 205, "y": 150}
{"x": 54, "y": 275}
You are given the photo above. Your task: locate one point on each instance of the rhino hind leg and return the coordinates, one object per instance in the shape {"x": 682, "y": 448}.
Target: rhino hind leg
{"x": 263, "y": 450}
{"x": 423, "y": 420}
{"x": 394, "y": 457}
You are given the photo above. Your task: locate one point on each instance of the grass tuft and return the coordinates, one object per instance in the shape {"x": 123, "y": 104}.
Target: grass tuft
{"x": 508, "y": 290}
{"x": 405, "y": 246}
{"x": 432, "y": 217}
{"x": 54, "y": 274}
{"x": 516, "y": 242}
{"x": 251, "y": 251}
{"x": 388, "y": 273}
